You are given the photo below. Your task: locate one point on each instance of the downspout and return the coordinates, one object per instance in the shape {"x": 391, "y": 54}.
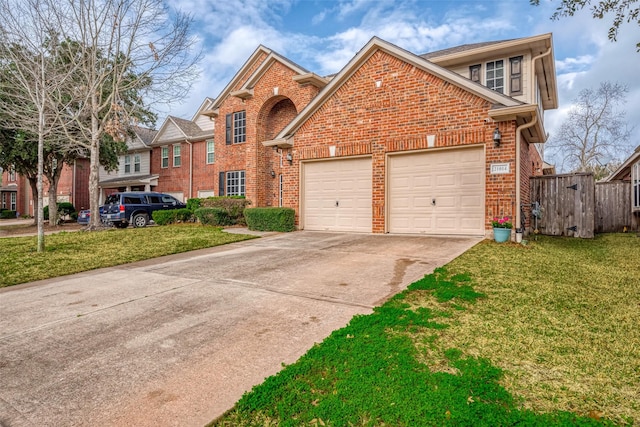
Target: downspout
{"x": 190, "y": 168}
{"x": 519, "y": 134}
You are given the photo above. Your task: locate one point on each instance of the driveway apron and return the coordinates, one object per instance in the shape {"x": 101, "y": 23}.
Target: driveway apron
{"x": 176, "y": 341}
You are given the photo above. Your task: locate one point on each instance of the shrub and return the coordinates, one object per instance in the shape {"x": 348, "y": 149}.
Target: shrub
{"x": 233, "y": 206}
{"x": 193, "y": 204}
{"x": 172, "y": 216}
{"x": 7, "y": 214}
{"x": 270, "y": 219}
{"x": 64, "y": 209}
{"x": 213, "y": 216}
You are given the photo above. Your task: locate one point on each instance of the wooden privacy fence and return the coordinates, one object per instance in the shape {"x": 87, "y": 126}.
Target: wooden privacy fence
{"x": 574, "y": 205}
{"x": 613, "y": 207}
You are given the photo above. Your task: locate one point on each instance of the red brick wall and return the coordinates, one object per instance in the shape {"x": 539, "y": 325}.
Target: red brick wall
{"x": 276, "y": 100}
{"x": 175, "y": 179}
{"x": 363, "y": 119}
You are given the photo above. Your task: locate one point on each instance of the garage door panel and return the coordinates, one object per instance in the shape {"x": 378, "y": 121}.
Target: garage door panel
{"x": 347, "y": 182}
{"x": 454, "y": 178}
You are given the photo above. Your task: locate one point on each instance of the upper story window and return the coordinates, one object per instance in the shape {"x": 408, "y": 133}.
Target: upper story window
{"x": 136, "y": 162}
{"x": 165, "y": 157}
{"x": 515, "y": 75}
{"x": 236, "y": 127}
{"x": 12, "y": 174}
{"x": 495, "y": 75}
{"x": 177, "y": 160}
{"x": 127, "y": 164}
{"x": 210, "y": 152}
{"x": 474, "y": 73}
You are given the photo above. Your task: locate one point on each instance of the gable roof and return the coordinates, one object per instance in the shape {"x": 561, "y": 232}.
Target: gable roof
{"x": 246, "y": 90}
{"x": 459, "y": 49}
{"x": 363, "y": 55}
{"x": 187, "y": 131}
{"x": 206, "y": 105}
{"x": 145, "y": 135}
{"x": 625, "y": 167}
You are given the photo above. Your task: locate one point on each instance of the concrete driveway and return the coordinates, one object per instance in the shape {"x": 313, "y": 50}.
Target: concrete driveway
{"x": 176, "y": 341}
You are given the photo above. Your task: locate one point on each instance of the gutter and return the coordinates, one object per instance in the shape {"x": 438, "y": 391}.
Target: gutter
{"x": 519, "y": 138}
{"x": 190, "y": 168}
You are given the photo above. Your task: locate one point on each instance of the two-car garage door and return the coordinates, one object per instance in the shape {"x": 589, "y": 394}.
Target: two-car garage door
{"x": 431, "y": 192}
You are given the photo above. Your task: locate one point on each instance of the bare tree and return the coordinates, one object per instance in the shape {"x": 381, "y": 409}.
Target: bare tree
{"x": 123, "y": 52}
{"x": 622, "y": 10}
{"x": 31, "y": 81}
{"x": 595, "y": 131}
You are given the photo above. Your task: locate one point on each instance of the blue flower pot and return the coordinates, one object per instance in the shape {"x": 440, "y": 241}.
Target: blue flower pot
{"x": 501, "y": 234}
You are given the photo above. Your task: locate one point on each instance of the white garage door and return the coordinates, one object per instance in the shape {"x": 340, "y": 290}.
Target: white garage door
{"x": 437, "y": 192}
{"x": 337, "y": 195}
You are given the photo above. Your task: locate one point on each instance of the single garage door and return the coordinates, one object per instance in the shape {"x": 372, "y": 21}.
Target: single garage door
{"x": 337, "y": 195}
{"x": 437, "y": 192}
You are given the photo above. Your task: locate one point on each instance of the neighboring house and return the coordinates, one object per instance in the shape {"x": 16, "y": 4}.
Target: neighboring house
{"x": 629, "y": 171}
{"x": 73, "y": 186}
{"x": 184, "y": 156}
{"x": 134, "y": 171}
{"x": 395, "y": 142}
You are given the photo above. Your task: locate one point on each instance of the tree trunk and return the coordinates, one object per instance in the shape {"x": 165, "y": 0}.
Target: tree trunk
{"x": 33, "y": 183}
{"x": 94, "y": 164}
{"x": 53, "y": 204}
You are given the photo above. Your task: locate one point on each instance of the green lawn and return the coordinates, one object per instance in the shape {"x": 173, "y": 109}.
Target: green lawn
{"x": 506, "y": 334}
{"x": 73, "y": 252}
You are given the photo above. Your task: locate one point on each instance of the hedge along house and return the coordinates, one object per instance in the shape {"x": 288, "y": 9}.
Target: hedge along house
{"x": 395, "y": 142}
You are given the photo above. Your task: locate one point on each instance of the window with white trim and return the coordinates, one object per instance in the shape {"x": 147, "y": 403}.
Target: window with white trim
{"x": 14, "y": 203}
{"x": 210, "y": 152}
{"x": 136, "y": 162}
{"x": 12, "y": 174}
{"x": 239, "y": 127}
{"x": 235, "y": 183}
{"x": 495, "y": 75}
{"x": 165, "y": 157}
{"x": 127, "y": 164}
{"x": 177, "y": 160}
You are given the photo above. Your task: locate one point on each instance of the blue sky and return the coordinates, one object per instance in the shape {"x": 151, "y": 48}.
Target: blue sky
{"x": 322, "y": 36}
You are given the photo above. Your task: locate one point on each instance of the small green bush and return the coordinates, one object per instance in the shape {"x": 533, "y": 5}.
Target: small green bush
{"x": 233, "y": 206}
{"x": 194, "y": 203}
{"x": 270, "y": 219}
{"x": 64, "y": 209}
{"x": 172, "y": 216}
{"x": 213, "y": 216}
{"x": 7, "y": 214}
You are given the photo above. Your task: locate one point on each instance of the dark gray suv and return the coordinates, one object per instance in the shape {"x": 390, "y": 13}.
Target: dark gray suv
{"x": 135, "y": 207}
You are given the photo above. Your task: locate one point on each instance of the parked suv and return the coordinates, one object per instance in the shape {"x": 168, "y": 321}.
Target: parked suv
{"x": 135, "y": 207}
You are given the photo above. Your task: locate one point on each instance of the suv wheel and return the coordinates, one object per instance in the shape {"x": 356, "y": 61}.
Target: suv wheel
{"x": 140, "y": 220}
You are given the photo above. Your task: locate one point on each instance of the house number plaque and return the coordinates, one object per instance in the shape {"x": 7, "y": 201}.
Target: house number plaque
{"x": 498, "y": 168}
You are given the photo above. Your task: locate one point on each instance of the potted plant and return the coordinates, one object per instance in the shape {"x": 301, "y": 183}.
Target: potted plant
{"x": 501, "y": 229}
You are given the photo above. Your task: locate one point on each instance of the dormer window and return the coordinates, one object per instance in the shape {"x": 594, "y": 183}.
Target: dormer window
{"x": 495, "y": 75}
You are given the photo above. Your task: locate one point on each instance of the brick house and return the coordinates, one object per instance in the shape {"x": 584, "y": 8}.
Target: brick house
{"x": 73, "y": 186}
{"x": 134, "y": 167}
{"x": 184, "y": 154}
{"x": 395, "y": 142}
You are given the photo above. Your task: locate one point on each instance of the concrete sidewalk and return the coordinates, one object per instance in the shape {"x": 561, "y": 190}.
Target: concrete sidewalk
{"x": 176, "y": 341}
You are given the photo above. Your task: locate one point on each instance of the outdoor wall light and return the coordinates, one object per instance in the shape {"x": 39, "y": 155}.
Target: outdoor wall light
{"x": 497, "y": 137}
{"x": 289, "y": 158}
{"x": 273, "y": 174}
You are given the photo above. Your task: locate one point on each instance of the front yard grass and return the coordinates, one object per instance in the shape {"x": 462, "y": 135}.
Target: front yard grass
{"x": 68, "y": 253}
{"x": 506, "y": 334}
